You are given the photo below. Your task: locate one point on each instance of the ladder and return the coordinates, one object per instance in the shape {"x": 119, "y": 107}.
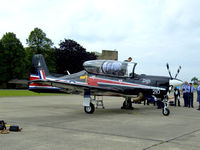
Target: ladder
{"x": 99, "y": 101}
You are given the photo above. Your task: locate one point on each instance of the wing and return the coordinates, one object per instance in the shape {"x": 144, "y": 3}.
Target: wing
{"x": 72, "y": 86}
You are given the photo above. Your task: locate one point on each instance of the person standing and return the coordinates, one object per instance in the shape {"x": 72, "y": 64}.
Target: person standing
{"x": 185, "y": 89}
{"x": 127, "y": 102}
{"x": 191, "y": 95}
{"x": 198, "y": 94}
{"x": 177, "y": 96}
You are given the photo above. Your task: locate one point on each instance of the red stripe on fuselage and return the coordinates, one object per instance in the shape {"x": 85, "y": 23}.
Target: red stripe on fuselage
{"x": 94, "y": 82}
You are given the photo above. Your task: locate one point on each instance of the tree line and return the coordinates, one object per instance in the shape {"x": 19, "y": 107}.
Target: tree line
{"x": 15, "y": 59}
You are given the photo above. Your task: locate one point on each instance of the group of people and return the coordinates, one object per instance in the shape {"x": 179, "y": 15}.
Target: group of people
{"x": 188, "y": 94}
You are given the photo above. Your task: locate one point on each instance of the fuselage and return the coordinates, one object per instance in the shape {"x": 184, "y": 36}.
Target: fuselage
{"x": 148, "y": 85}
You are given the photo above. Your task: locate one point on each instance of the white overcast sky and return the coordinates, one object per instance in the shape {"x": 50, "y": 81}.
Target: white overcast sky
{"x": 152, "y": 32}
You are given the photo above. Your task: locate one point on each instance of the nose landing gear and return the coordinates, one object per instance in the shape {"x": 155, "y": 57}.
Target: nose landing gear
{"x": 165, "y": 110}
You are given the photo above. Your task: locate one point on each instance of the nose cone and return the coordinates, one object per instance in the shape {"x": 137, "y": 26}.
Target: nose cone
{"x": 175, "y": 82}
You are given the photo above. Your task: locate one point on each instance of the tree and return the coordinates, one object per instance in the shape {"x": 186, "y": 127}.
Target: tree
{"x": 194, "y": 80}
{"x": 12, "y": 58}
{"x": 39, "y": 44}
{"x": 70, "y": 56}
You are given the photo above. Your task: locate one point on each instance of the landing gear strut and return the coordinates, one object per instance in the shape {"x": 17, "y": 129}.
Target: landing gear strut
{"x": 88, "y": 105}
{"x": 165, "y": 110}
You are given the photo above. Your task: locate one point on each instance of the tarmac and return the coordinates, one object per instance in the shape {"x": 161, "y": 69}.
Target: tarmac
{"x": 60, "y": 123}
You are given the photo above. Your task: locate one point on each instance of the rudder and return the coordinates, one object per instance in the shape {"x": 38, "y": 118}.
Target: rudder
{"x": 39, "y": 67}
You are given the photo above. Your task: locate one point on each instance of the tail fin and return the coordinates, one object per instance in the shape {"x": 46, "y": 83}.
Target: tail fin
{"x": 39, "y": 67}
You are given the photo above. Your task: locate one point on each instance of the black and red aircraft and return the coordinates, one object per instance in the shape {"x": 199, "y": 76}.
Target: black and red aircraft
{"x": 104, "y": 78}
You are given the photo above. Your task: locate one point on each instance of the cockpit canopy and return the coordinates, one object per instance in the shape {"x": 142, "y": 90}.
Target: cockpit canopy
{"x": 110, "y": 67}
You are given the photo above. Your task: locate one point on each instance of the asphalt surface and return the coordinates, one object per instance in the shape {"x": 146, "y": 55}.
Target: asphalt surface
{"x": 59, "y": 123}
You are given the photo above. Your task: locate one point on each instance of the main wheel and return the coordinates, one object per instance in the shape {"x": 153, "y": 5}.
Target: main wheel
{"x": 165, "y": 111}
{"x": 127, "y": 104}
{"x": 89, "y": 109}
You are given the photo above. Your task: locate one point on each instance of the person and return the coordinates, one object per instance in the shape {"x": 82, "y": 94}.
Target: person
{"x": 185, "y": 89}
{"x": 177, "y": 96}
{"x": 129, "y": 59}
{"x": 127, "y": 104}
{"x": 198, "y": 94}
{"x": 190, "y": 96}
{"x": 160, "y": 104}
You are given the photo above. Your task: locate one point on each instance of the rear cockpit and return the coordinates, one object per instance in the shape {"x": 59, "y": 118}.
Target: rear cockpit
{"x": 110, "y": 67}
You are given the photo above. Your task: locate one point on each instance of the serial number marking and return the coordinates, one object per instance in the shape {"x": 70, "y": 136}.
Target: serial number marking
{"x": 156, "y": 91}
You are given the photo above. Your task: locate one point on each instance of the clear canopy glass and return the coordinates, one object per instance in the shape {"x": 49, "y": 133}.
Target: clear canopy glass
{"x": 110, "y": 67}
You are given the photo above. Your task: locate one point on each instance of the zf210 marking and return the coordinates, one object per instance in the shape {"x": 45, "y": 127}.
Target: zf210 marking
{"x": 156, "y": 91}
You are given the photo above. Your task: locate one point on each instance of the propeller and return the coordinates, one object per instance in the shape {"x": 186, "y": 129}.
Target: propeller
{"x": 170, "y": 71}
{"x": 173, "y": 81}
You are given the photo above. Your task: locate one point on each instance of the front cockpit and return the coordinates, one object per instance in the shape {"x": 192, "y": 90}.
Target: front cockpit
{"x": 110, "y": 67}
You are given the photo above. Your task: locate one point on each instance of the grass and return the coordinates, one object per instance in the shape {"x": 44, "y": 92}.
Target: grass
{"x": 12, "y": 93}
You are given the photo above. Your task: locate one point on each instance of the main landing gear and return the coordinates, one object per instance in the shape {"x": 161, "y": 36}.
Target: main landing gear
{"x": 89, "y": 104}
{"x": 127, "y": 104}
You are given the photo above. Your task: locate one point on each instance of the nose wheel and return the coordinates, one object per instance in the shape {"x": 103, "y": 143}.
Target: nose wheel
{"x": 165, "y": 111}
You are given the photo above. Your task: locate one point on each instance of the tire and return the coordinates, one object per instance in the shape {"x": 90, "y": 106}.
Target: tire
{"x": 165, "y": 111}
{"x": 89, "y": 109}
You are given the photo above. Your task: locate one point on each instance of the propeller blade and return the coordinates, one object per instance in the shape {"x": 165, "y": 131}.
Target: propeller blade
{"x": 169, "y": 71}
{"x": 167, "y": 66}
{"x": 178, "y": 71}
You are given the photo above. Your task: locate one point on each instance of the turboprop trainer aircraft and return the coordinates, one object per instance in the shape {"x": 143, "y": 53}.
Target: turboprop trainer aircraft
{"x": 103, "y": 78}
